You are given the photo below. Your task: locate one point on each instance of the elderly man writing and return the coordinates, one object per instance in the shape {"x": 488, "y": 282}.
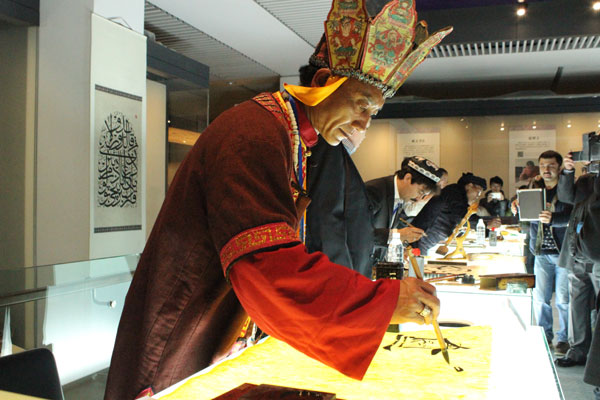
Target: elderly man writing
{"x": 228, "y": 240}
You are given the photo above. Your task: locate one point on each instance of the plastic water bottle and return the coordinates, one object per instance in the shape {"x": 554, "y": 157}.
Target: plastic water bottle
{"x": 395, "y": 251}
{"x": 480, "y": 240}
{"x": 493, "y": 238}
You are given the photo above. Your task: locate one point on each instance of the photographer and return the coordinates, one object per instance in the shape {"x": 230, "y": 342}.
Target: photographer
{"x": 494, "y": 200}
{"x": 584, "y": 228}
{"x": 582, "y": 284}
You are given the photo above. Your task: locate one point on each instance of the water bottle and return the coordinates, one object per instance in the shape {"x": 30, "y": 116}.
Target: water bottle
{"x": 480, "y": 240}
{"x": 493, "y": 238}
{"x": 395, "y": 251}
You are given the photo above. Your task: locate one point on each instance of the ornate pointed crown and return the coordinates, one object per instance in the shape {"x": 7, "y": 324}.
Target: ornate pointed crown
{"x": 381, "y": 51}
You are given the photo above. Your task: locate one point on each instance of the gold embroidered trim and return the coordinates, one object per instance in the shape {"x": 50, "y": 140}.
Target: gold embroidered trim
{"x": 256, "y": 239}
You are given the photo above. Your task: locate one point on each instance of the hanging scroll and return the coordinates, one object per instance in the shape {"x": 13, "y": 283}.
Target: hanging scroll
{"x": 117, "y": 159}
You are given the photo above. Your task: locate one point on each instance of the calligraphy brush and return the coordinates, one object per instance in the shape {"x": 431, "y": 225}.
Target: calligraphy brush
{"x": 409, "y": 224}
{"x": 436, "y": 326}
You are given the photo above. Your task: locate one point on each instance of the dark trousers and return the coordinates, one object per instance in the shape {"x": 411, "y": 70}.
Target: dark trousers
{"x": 582, "y": 299}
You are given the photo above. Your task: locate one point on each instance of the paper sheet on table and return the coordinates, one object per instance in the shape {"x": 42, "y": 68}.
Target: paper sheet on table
{"x": 403, "y": 367}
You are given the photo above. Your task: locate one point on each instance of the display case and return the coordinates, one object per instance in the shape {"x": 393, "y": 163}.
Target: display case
{"x": 73, "y": 309}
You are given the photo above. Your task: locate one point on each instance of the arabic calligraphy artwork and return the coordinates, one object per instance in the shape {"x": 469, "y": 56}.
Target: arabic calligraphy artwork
{"x": 117, "y": 161}
{"x": 407, "y": 366}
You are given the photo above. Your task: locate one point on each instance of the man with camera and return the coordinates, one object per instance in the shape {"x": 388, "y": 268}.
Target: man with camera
{"x": 583, "y": 286}
{"x": 587, "y": 246}
{"x": 494, "y": 200}
{"x": 581, "y": 255}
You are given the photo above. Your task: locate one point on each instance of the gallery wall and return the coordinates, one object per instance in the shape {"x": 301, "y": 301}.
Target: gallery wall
{"x": 63, "y": 125}
{"x": 13, "y": 151}
{"x": 156, "y": 144}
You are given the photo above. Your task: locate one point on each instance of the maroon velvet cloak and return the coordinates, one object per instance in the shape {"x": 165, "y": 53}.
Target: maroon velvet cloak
{"x": 230, "y": 210}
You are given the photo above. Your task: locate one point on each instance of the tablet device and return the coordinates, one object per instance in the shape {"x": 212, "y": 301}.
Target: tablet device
{"x": 531, "y": 203}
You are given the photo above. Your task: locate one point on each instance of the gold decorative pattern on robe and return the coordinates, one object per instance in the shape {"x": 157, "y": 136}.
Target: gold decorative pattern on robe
{"x": 255, "y": 239}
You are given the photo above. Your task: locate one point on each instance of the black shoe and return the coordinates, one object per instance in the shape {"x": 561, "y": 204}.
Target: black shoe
{"x": 568, "y": 362}
{"x": 561, "y": 348}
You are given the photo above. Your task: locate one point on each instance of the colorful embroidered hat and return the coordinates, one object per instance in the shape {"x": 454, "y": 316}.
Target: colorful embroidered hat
{"x": 424, "y": 167}
{"x": 381, "y": 51}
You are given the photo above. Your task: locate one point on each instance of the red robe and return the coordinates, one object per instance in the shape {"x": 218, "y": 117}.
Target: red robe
{"x": 230, "y": 212}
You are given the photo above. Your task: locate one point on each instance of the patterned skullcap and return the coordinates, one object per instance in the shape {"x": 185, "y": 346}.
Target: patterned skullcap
{"x": 425, "y": 167}
{"x": 468, "y": 177}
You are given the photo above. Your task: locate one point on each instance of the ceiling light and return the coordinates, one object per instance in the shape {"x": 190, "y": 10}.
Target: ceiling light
{"x": 596, "y": 6}
{"x": 502, "y": 129}
{"x": 522, "y": 9}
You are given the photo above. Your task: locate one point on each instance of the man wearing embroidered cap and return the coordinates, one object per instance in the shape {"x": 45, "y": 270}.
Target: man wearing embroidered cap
{"x": 416, "y": 179}
{"x": 442, "y": 213}
{"x": 228, "y": 240}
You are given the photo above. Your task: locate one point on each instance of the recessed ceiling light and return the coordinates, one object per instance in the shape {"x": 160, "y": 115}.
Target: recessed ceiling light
{"x": 522, "y": 9}
{"x": 596, "y": 6}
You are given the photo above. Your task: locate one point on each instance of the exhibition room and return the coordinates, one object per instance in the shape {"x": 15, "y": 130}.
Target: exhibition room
{"x": 281, "y": 199}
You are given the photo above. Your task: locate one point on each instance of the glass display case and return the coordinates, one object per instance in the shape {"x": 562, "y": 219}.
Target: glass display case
{"x": 73, "y": 309}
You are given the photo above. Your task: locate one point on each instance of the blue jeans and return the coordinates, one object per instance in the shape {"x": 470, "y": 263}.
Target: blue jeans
{"x": 549, "y": 278}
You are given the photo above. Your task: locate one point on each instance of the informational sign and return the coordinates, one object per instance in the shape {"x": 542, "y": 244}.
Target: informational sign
{"x": 425, "y": 144}
{"x": 117, "y": 173}
{"x": 526, "y": 145}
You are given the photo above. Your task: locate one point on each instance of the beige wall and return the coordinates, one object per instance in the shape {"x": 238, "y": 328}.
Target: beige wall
{"x": 63, "y": 126}
{"x": 468, "y": 144}
{"x": 156, "y": 140}
{"x": 17, "y": 105}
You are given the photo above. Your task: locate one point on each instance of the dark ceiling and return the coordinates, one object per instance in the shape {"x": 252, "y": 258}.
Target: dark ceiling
{"x": 427, "y": 5}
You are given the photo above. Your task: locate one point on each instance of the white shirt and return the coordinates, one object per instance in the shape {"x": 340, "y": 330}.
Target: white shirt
{"x": 397, "y": 201}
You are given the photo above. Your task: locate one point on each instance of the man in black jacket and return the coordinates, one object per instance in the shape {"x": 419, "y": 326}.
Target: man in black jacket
{"x": 338, "y": 219}
{"x": 587, "y": 245}
{"x": 583, "y": 286}
{"x": 416, "y": 179}
{"x": 442, "y": 213}
{"x": 546, "y": 237}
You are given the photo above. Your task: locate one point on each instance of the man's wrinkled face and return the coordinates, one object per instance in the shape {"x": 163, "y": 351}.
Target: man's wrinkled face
{"x": 473, "y": 192}
{"x": 347, "y": 111}
{"x": 549, "y": 168}
{"x": 496, "y": 187}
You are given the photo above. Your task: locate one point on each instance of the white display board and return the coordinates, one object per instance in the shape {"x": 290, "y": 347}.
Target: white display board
{"x": 525, "y": 146}
{"x": 118, "y": 139}
{"x": 422, "y": 143}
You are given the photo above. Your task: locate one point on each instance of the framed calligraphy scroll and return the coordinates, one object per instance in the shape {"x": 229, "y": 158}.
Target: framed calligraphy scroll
{"x": 117, "y": 161}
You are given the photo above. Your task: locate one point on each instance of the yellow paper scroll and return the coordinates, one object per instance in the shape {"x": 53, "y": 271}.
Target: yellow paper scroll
{"x": 403, "y": 368}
